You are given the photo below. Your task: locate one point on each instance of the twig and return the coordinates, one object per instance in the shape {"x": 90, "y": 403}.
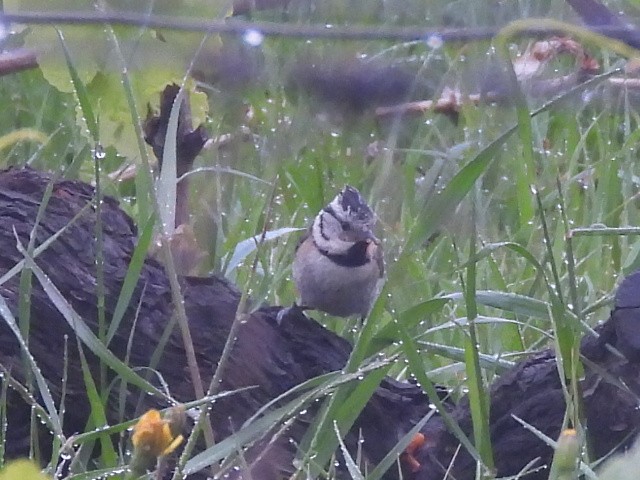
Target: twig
{"x": 337, "y": 32}
{"x": 17, "y": 61}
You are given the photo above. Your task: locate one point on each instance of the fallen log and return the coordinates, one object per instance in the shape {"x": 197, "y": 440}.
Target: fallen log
{"x": 268, "y": 358}
{"x": 532, "y": 392}
{"x": 274, "y": 357}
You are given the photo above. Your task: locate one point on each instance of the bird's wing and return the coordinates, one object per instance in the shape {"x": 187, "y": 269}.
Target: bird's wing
{"x": 303, "y": 237}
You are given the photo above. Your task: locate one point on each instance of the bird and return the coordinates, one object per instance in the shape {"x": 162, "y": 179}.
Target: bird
{"x": 339, "y": 263}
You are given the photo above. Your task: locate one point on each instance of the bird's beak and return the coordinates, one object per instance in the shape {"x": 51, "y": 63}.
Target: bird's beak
{"x": 367, "y": 235}
{"x": 356, "y": 235}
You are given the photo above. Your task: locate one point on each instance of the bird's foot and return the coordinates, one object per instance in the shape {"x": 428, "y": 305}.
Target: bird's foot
{"x": 295, "y": 310}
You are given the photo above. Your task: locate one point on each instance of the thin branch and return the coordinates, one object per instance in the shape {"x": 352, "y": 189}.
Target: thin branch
{"x": 236, "y": 26}
{"x": 17, "y": 61}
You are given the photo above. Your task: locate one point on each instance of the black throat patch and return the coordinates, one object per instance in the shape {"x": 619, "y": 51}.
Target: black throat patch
{"x": 356, "y": 256}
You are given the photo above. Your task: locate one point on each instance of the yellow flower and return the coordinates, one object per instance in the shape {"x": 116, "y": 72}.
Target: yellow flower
{"x": 153, "y": 435}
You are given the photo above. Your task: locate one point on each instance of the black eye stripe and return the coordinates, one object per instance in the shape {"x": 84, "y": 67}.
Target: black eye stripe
{"x": 331, "y": 212}
{"x": 344, "y": 224}
{"x": 324, "y": 235}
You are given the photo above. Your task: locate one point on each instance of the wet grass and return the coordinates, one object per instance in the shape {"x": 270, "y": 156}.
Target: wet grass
{"x": 497, "y": 224}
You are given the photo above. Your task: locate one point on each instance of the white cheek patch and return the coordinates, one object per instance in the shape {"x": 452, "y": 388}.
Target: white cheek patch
{"x": 339, "y": 247}
{"x": 335, "y": 204}
{"x": 330, "y": 242}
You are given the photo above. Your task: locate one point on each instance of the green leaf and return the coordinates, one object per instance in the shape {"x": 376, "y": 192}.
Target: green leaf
{"x": 92, "y": 435}
{"x": 80, "y": 90}
{"x": 98, "y": 415}
{"x": 244, "y": 436}
{"x": 167, "y": 183}
{"x": 246, "y": 247}
{"x": 409, "y": 319}
{"x": 266, "y": 419}
{"x": 510, "y": 302}
{"x": 392, "y": 456}
{"x": 352, "y": 467}
{"x": 343, "y": 407}
{"x": 52, "y": 412}
{"x": 262, "y": 422}
{"x": 478, "y": 394}
{"x": 226, "y": 170}
{"x": 492, "y": 362}
{"x": 131, "y": 278}
{"x": 22, "y": 469}
{"x": 441, "y": 207}
{"x": 412, "y": 352}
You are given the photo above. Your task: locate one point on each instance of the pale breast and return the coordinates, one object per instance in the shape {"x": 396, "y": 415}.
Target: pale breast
{"x": 324, "y": 285}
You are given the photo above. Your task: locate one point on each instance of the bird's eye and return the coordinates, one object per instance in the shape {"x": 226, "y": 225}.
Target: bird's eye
{"x": 345, "y": 226}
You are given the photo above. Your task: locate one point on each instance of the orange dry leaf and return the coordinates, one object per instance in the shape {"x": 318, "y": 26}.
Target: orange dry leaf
{"x": 536, "y": 57}
{"x": 408, "y": 457}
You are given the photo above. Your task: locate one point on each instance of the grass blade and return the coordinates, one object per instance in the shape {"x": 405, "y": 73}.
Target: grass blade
{"x": 246, "y": 247}
{"x": 98, "y": 415}
{"x": 52, "y": 412}
{"x": 80, "y": 90}
{"x": 166, "y": 186}
{"x": 416, "y": 365}
{"x": 392, "y": 456}
{"x": 85, "y": 334}
{"x": 131, "y": 278}
{"x": 352, "y": 467}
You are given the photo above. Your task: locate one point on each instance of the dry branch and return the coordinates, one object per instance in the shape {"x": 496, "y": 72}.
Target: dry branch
{"x": 624, "y": 33}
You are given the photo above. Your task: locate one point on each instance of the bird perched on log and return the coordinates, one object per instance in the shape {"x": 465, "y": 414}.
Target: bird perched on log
{"x": 339, "y": 262}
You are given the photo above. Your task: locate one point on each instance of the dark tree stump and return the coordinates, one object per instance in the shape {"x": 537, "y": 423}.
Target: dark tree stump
{"x": 274, "y": 357}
